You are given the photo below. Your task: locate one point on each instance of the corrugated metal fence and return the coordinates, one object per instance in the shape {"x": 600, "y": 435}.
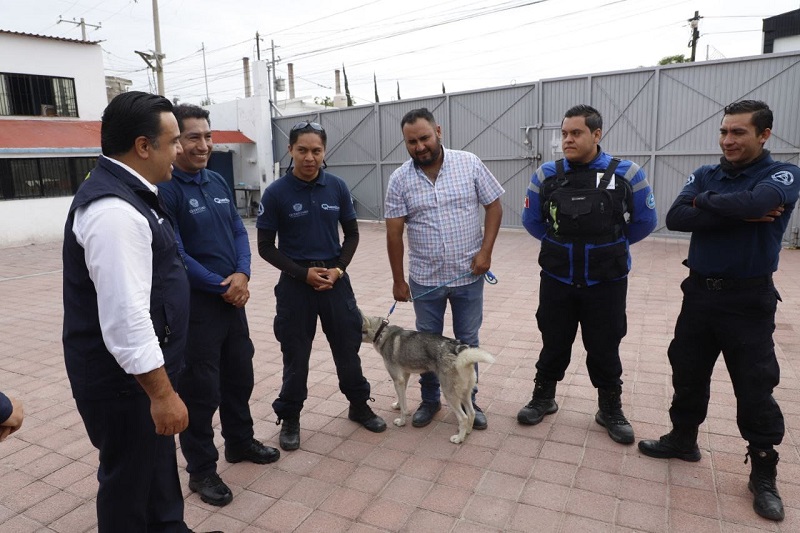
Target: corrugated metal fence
{"x": 666, "y": 119}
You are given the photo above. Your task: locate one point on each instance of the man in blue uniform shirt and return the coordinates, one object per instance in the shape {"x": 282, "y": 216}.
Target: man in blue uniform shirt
{"x": 737, "y": 212}
{"x": 587, "y": 209}
{"x": 304, "y": 209}
{"x": 219, "y": 354}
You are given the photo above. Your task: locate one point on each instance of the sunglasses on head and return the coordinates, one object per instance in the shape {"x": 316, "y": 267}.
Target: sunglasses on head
{"x": 308, "y": 125}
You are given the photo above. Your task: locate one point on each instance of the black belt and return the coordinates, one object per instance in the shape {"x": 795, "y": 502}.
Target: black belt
{"x": 317, "y": 264}
{"x": 721, "y": 284}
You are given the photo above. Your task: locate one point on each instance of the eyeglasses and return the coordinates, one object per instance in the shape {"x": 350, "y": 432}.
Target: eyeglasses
{"x": 306, "y": 125}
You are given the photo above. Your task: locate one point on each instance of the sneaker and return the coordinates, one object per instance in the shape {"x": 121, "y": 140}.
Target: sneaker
{"x": 361, "y": 413}
{"x": 255, "y": 452}
{"x": 211, "y": 489}
{"x": 425, "y": 413}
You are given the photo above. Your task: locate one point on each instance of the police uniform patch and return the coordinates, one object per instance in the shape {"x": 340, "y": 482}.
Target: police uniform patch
{"x": 260, "y": 209}
{"x": 784, "y": 177}
{"x": 651, "y": 201}
{"x": 690, "y": 179}
{"x": 297, "y": 207}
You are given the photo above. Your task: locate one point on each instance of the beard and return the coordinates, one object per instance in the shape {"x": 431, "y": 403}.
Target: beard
{"x": 435, "y": 153}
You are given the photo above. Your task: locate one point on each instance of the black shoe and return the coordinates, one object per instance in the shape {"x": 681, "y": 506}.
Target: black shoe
{"x": 617, "y": 426}
{"x": 480, "y": 418}
{"x": 255, "y": 452}
{"x": 674, "y": 444}
{"x": 290, "y": 433}
{"x": 535, "y": 411}
{"x": 361, "y": 413}
{"x": 425, "y": 413}
{"x": 212, "y": 489}
{"x": 766, "y": 500}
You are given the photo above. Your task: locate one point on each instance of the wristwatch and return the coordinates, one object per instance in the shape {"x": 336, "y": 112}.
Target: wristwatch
{"x": 340, "y": 271}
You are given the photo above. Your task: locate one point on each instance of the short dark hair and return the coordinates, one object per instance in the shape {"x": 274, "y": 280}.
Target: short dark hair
{"x": 762, "y": 114}
{"x": 310, "y": 127}
{"x": 416, "y": 114}
{"x": 184, "y": 111}
{"x": 129, "y": 116}
{"x": 593, "y": 118}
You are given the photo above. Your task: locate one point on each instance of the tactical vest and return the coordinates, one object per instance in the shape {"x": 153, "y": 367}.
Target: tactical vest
{"x": 586, "y": 214}
{"x": 583, "y": 206}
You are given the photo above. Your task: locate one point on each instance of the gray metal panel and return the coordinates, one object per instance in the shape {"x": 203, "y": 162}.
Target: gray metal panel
{"x": 560, "y": 95}
{"x": 364, "y": 188}
{"x": 626, "y": 102}
{"x": 488, "y": 125}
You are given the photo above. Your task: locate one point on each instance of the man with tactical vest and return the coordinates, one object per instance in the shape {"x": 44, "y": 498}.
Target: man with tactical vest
{"x": 587, "y": 209}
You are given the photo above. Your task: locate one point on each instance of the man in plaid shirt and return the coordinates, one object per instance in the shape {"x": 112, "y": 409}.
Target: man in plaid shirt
{"x": 437, "y": 194}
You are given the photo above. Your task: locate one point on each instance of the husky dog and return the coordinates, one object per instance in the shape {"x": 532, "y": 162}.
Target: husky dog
{"x": 405, "y": 352}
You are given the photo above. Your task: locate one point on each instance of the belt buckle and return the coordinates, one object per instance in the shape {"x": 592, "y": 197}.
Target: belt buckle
{"x": 714, "y": 284}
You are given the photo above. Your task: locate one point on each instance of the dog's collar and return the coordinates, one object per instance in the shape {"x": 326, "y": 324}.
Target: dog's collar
{"x": 384, "y": 323}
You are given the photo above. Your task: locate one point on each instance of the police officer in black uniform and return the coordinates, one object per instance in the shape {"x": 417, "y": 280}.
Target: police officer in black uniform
{"x": 737, "y": 212}
{"x": 587, "y": 209}
{"x": 304, "y": 209}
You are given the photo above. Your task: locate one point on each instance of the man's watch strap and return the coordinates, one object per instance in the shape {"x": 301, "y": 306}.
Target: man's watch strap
{"x": 340, "y": 271}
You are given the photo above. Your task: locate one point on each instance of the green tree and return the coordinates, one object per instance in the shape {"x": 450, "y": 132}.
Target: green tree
{"x": 669, "y": 60}
{"x": 327, "y": 101}
{"x": 347, "y": 88}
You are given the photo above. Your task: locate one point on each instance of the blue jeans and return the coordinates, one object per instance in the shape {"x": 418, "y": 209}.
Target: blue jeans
{"x": 466, "y": 304}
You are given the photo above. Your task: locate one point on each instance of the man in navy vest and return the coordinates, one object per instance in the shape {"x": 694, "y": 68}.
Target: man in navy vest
{"x": 126, "y": 303}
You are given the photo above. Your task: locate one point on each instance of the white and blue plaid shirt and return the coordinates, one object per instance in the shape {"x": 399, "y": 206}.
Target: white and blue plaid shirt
{"x": 443, "y": 217}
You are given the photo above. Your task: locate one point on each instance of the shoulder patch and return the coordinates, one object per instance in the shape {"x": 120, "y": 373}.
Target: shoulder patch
{"x": 690, "y": 179}
{"x": 651, "y": 201}
{"x": 784, "y": 177}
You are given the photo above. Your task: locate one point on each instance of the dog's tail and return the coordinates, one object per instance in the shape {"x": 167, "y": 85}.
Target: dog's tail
{"x": 471, "y": 356}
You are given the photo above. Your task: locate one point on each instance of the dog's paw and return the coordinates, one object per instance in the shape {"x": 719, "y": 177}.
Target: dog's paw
{"x": 456, "y": 439}
{"x": 396, "y": 406}
{"x": 400, "y": 422}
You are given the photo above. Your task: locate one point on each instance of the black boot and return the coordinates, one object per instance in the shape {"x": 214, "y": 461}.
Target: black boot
{"x": 542, "y": 403}
{"x": 611, "y": 417}
{"x": 290, "y": 433}
{"x": 680, "y": 443}
{"x": 766, "y": 500}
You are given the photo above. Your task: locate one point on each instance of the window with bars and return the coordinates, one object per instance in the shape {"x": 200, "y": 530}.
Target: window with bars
{"x": 42, "y": 177}
{"x": 34, "y": 95}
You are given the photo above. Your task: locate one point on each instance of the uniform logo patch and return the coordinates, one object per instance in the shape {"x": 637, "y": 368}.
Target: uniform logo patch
{"x": 297, "y": 207}
{"x": 651, "y": 201}
{"x": 690, "y": 180}
{"x": 527, "y": 203}
{"x": 193, "y": 202}
{"x": 329, "y": 207}
{"x": 221, "y": 201}
{"x": 783, "y": 177}
{"x": 260, "y": 209}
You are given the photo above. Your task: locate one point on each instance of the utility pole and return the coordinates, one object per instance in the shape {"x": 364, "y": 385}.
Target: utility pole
{"x": 82, "y": 24}
{"x": 258, "y": 47}
{"x": 159, "y": 55}
{"x": 205, "y": 72}
{"x": 694, "y": 22}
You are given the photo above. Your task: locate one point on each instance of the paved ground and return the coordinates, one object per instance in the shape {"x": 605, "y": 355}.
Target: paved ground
{"x": 563, "y": 475}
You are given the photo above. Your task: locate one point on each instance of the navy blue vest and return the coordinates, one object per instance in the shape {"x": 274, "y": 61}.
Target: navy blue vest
{"x": 93, "y": 372}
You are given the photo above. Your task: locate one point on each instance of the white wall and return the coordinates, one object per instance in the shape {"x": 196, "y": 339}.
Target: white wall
{"x": 252, "y": 163}
{"x": 49, "y": 57}
{"x": 36, "y": 221}
{"x": 786, "y": 44}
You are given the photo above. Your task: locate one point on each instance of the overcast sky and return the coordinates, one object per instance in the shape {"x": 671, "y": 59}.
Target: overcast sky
{"x": 463, "y": 44}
